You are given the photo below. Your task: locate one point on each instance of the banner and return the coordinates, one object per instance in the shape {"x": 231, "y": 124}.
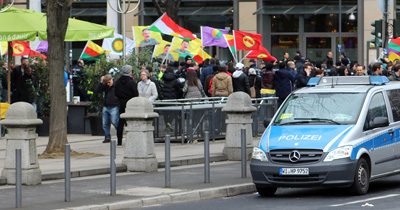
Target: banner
{"x": 144, "y": 37}
{"x": 181, "y": 48}
{"x": 92, "y": 51}
{"x": 213, "y": 36}
{"x": 115, "y": 45}
{"x": 162, "y": 51}
{"x": 3, "y": 48}
{"x": 20, "y": 48}
{"x": 247, "y": 41}
{"x": 167, "y": 26}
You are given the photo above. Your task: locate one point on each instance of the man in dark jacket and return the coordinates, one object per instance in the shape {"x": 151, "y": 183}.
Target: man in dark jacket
{"x": 283, "y": 80}
{"x": 240, "y": 80}
{"x": 17, "y": 73}
{"x": 207, "y": 71}
{"x": 252, "y": 64}
{"x": 110, "y": 106}
{"x": 26, "y": 86}
{"x": 304, "y": 76}
{"x": 125, "y": 89}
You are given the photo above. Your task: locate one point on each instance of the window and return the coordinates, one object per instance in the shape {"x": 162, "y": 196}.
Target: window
{"x": 321, "y": 108}
{"x": 394, "y": 99}
{"x": 377, "y": 108}
{"x": 284, "y": 23}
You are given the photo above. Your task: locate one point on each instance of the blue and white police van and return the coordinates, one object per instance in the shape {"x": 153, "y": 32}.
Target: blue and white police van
{"x": 339, "y": 132}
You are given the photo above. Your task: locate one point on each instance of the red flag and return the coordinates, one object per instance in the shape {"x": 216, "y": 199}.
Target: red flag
{"x": 20, "y": 48}
{"x": 262, "y": 53}
{"x": 34, "y": 54}
{"x": 247, "y": 41}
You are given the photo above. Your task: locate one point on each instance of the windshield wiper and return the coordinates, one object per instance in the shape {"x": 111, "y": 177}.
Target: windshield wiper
{"x": 319, "y": 119}
{"x": 295, "y": 122}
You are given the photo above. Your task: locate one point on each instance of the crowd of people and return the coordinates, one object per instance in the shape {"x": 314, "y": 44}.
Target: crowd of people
{"x": 191, "y": 80}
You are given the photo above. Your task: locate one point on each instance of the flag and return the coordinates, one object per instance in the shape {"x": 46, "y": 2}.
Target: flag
{"x": 231, "y": 44}
{"x": 394, "y": 49}
{"x": 115, "y": 45}
{"x": 34, "y": 54}
{"x": 166, "y": 25}
{"x": 92, "y": 51}
{"x": 162, "y": 51}
{"x": 246, "y": 41}
{"x": 213, "y": 36}
{"x": 20, "y": 48}
{"x": 262, "y": 53}
{"x": 139, "y": 34}
{"x": 3, "y": 48}
{"x": 201, "y": 56}
{"x": 180, "y": 48}
{"x": 43, "y": 46}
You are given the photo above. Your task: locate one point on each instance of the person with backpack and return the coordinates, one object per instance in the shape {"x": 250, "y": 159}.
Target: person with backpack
{"x": 255, "y": 84}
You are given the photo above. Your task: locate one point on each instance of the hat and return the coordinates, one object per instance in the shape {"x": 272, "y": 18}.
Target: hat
{"x": 239, "y": 66}
{"x": 298, "y": 52}
{"x": 188, "y": 58}
{"x": 307, "y": 60}
{"x": 126, "y": 69}
{"x": 297, "y": 58}
{"x": 252, "y": 60}
{"x": 252, "y": 71}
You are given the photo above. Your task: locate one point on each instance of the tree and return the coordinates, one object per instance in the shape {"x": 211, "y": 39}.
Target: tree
{"x": 57, "y": 21}
{"x": 171, "y": 7}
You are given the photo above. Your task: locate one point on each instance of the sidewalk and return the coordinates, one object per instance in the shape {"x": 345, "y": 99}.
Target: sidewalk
{"x": 187, "y": 181}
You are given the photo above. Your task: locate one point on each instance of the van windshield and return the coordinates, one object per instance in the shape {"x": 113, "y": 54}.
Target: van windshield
{"x": 321, "y": 108}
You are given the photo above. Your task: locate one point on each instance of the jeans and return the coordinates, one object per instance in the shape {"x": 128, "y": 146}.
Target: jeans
{"x": 110, "y": 116}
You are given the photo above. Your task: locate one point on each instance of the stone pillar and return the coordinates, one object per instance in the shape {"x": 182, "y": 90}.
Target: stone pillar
{"x": 139, "y": 148}
{"x": 238, "y": 109}
{"x": 21, "y": 121}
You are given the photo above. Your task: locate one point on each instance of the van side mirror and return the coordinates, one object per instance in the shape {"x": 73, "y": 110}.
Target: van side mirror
{"x": 378, "y": 122}
{"x": 267, "y": 121}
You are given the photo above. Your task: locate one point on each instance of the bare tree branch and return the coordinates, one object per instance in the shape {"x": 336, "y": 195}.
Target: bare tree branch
{"x": 159, "y": 10}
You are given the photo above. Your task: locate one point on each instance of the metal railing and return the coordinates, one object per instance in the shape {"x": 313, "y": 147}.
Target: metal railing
{"x": 187, "y": 119}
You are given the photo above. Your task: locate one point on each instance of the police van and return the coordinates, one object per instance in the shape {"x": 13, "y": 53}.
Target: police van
{"x": 339, "y": 132}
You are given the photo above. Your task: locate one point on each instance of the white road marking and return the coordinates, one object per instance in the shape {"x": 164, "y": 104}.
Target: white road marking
{"x": 365, "y": 200}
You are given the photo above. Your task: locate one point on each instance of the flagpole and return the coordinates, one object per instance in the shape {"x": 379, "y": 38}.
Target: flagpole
{"x": 230, "y": 50}
{"x": 245, "y": 56}
{"x": 166, "y": 56}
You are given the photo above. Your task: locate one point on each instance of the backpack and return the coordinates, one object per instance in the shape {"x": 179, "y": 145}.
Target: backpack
{"x": 253, "y": 89}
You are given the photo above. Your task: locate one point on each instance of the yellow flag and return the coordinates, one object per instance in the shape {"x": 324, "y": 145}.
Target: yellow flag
{"x": 393, "y": 56}
{"x": 181, "y": 48}
{"x": 162, "y": 51}
{"x": 145, "y": 37}
{"x": 3, "y": 48}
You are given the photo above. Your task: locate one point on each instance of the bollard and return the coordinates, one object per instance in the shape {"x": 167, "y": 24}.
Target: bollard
{"x": 182, "y": 124}
{"x": 167, "y": 161}
{"x": 243, "y": 132}
{"x": 191, "y": 123}
{"x": 67, "y": 169}
{"x": 113, "y": 171}
{"x": 18, "y": 179}
{"x": 206, "y": 157}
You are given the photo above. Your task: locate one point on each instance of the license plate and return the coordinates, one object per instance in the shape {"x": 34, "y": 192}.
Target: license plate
{"x": 293, "y": 171}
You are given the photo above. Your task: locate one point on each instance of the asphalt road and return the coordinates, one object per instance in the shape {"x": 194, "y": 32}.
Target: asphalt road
{"x": 383, "y": 194}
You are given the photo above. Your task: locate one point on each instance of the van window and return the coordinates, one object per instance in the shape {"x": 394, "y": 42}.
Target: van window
{"x": 321, "y": 108}
{"x": 377, "y": 108}
{"x": 394, "y": 98}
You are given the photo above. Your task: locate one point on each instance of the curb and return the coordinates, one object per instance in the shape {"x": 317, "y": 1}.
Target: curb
{"x": 192, "y": 160}
{"x": 195, "y": 195}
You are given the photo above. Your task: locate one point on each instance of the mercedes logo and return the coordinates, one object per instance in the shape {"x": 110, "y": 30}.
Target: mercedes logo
{"x": 294, "y": 156}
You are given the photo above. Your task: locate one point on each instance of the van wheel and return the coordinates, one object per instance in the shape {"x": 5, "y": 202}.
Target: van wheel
{"x": 361, "y": 178}
{"x": 266, "y": 191}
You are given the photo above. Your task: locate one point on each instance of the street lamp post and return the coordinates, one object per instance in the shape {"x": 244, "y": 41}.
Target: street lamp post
{"x": 123, "y": 10}
{"x": 340, "y": 28}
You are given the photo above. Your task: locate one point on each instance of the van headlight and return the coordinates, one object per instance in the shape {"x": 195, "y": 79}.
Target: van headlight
{"x": 339, "y": 153}
{"x": 258, "y": 154}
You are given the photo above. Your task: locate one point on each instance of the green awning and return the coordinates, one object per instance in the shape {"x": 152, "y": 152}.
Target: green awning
{"x": 189, "y": 11}
{"x": 88, "y": 12}
{"x": 304, "y": 9}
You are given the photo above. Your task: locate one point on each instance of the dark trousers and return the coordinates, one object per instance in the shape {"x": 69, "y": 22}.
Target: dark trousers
{"x": 121, "y": 122}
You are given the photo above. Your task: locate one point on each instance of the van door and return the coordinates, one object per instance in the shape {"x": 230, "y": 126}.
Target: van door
{"x": 394, "y": 99}
{"x": 382, "y": 152}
